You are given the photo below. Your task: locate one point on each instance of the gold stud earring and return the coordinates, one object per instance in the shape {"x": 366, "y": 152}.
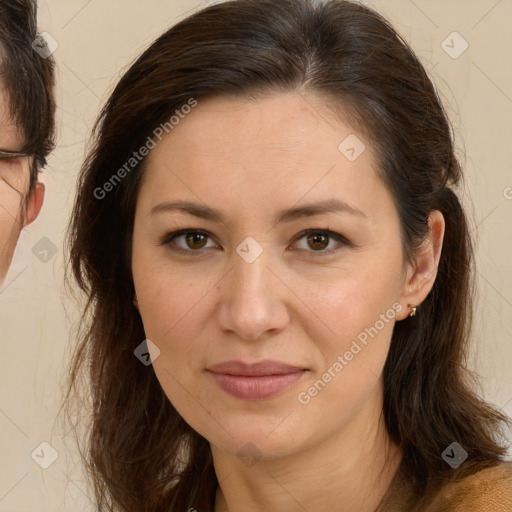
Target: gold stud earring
{"x": 413, "y": 312}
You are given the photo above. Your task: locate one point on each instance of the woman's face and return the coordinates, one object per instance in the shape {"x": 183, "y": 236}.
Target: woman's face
{"x": 253, "y": 286}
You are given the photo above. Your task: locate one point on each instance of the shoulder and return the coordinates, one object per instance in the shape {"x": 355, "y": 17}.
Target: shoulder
{"x": 488, "y": 490}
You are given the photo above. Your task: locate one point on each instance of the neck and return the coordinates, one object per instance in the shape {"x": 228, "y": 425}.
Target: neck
{"x": 350, "y": 470}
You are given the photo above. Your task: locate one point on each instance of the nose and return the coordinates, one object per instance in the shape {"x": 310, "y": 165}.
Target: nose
{"x": 253, "y": 299}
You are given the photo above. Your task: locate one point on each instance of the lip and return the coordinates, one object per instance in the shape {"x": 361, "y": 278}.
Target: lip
{"x": 255, "y": 381}
{"x": 264, "y": 367}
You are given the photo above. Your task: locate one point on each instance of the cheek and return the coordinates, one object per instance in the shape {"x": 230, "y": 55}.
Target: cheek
{"x": 168, "y": 301}
{"x": 10, "y": 202}
{"x": 10, "y": 228}
{"x": 174, "y": 313}
{"x": 351, "y": 361}
{"x": 174, "y": 307}
{"x": 352, "y": 301}
{"x": 357, "y": 316}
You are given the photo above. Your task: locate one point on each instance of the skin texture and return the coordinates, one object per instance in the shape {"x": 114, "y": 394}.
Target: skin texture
{"x": 294, "y": 304}
{"x": 18, "y": 208}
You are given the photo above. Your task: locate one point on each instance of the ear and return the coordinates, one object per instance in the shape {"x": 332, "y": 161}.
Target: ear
{"x": 34, "y": 203}
{"x": 422, "y": 275}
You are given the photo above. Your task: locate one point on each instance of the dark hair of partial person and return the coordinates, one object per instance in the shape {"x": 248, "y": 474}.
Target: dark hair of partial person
{"x": 140, "y": 453}
{"x": 27, "y": 80}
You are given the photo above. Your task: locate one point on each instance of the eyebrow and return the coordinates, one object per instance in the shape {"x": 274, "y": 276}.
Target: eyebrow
{"x": 287, "y": 215}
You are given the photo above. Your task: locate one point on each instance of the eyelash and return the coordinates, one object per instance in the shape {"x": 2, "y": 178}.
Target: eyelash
{"x": 331, "y": 235}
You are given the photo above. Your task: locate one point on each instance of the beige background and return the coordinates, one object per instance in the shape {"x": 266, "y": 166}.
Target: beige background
{"x": 97, "y": 40}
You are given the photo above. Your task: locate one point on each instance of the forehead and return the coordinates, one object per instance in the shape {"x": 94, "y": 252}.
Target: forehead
{"x": 275, "y": 149}
{"x": 11, "y": 137}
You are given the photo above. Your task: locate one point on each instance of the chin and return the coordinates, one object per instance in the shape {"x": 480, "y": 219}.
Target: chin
{"x": 258, "y": 440}
{"x": 251, "y": 448}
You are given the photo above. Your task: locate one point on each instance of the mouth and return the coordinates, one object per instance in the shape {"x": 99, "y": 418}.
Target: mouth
{"x": 255, "y": 381}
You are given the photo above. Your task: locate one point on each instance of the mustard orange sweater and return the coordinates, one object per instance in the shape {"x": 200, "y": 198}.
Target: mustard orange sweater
{"x": 488, "y": 490}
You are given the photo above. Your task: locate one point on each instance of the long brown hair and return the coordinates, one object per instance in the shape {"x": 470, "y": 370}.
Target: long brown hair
{"x": 141, "y": 455}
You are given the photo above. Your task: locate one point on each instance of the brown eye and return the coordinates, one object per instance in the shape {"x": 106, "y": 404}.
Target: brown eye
{"x": 195, "y": 240}
{"x": 317, "y": 240}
